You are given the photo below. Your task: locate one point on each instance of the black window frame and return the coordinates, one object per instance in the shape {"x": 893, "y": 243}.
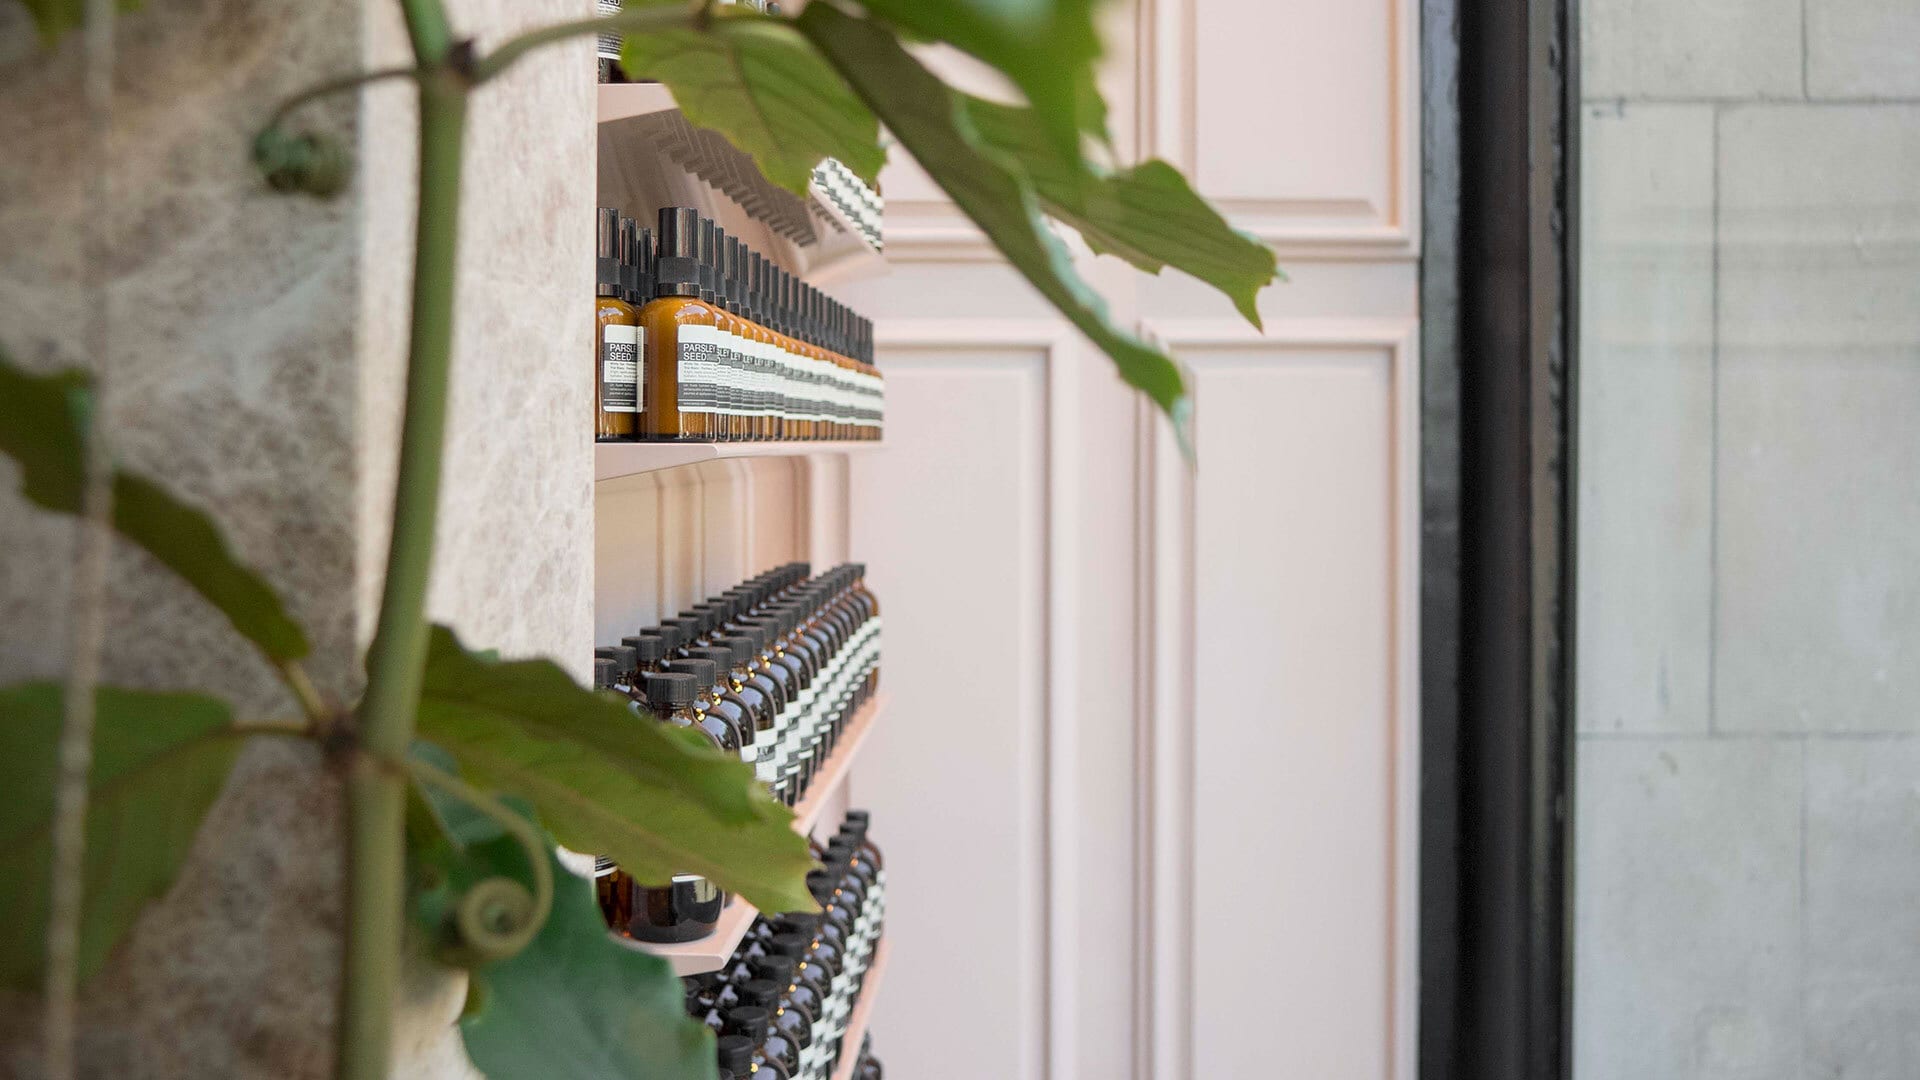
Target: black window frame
{"x": 1498, "y": 290}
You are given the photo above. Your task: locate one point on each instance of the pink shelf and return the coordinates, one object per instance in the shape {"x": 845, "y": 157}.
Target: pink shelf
{"x": 862, "y": 1013}
{"x": 707, "y": 954}
{"x": 612, "y": 460}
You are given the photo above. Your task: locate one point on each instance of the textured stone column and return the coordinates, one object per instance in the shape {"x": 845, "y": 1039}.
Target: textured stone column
{"x": 257, "y": 357}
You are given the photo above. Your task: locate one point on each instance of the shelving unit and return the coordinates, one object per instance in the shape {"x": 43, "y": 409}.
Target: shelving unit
{"x": 676, "y": 522}
{"x": 862, "y": 1013}
{"x": 707, "y": 954}
{"x": 614, "y": 460}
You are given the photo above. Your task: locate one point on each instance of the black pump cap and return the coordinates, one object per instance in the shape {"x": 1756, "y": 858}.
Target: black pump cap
{"x": 644, "y": 259}
{"x": 629, "y": 260}
{"x": 748, "y": 1020}
{"x": 624, "y": 657}
{"x": 676, "y": 272}
{"x": 735, "y": 1053}
{"x": 602, "y": 674}
{"x": 709, "y": 271}
{"x": 647, "y": 648}
{"x": 704, "y": 672}
{"x": 606, "y": 249}
{"x": 669, "y": 689}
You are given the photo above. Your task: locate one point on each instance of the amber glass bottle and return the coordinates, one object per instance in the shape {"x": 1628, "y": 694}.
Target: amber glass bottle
{"x": 680, "y": 334}
{"x": 617, "y": 339}
{"x": 688, "y": 907}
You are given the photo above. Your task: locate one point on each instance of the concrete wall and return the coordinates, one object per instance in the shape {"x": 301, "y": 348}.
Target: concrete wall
{"x": 257, "y": 351}
{"x": 1748, "y": 816}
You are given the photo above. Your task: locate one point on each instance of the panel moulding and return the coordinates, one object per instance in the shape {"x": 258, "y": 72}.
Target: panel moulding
{"x": 1164, "y": 721}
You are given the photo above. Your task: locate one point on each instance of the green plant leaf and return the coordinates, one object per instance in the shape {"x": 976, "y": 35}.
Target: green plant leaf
{"x": 754, "y": 80}
{"x": 577, "y": 1005}
{"x": 1147, "y": 214}
{"x": 928, "y": 119}
{"x": 56, "y": 17}
{"x": 1048, "y": 48}
{"x": 43, "y": 422}
{"x": 159, "y": 760}
{"x": 607, "y": 781}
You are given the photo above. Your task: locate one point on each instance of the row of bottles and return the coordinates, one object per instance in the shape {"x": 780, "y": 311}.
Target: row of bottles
{"x": 609, "y": 44}
{"x": 699, "y": 338}
{"x": 781, "y": 1004}
{"x": 772, "y": 669}
{"x": 840, "y": 186}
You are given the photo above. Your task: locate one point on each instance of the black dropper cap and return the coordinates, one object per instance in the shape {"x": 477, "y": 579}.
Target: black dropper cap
{"x": 676, "y": 272}
{"x": 647, "y": 648}
{"x": 606, "y": 251}
{"x": 709, "y": 237}
{"x": 670, "y": 636}
{"x": 761, "y": 993}
{"x": 748, "y": 1020}
{"x": 689, "y": 628}
{"x": 776, "y": 967}
{"x": 735, "y": 1053}
{"x": 721, "y": 657}
{"x": 602, "y": 674}
{"x": 788, "y": 945}
{"x": 669, "y": 689}
{"x": 704, "y": 672}
{"x": 745, "y": 648}
{"x": 623, "y": 657}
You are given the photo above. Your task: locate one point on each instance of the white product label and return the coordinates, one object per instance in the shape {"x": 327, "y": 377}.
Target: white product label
{"x": 620, "y": 390}
{"x": 699, "y": 368}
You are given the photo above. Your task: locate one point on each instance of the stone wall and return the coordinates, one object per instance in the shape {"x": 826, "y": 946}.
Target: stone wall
{"x": 257, "y": 357}
{"x": 1748, "y": 897}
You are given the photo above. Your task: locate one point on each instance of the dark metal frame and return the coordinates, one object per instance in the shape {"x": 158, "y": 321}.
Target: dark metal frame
{"x": 1497, "y": 299}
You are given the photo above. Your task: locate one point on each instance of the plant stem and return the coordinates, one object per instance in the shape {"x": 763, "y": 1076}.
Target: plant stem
{"x": 628, "y": 21}
{"x": 300, "y": 685}
{"x": 376, "y": 784}
{"x": 92, "y": 534}
{"x": 428, "y": 28}
{"x": 334, "y": 86}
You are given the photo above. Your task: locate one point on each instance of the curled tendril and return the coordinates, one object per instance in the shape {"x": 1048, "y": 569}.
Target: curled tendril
{"x": 496, "y": 917}
{"x": 309, "y": 162}
{"x": 493, "y": 920}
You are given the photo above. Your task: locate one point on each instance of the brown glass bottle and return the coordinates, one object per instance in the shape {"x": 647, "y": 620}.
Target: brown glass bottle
{"x": 770, "y": 1046}
{"x": 617, "y": 339}
{"x": 680, "y": 335}
{"x": 719, "y": 715}
{"x": 688, "y": 907}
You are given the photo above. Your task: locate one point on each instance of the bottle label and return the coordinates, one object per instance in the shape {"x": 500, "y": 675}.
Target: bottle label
{"x": 699, "y": 368}
{"x": 620, "y": 390}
